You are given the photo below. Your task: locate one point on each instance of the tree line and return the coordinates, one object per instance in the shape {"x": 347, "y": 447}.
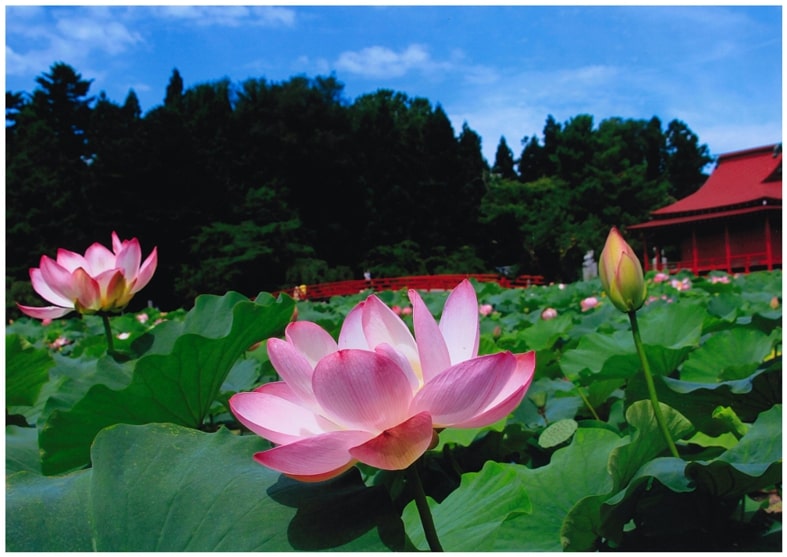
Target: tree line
{"x": 259, "y": 185}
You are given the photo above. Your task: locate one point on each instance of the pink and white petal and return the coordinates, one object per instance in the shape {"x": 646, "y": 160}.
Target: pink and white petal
{"x": 45, "y": 291}
{"x": 416, "y": 381}
{"x": 49, "y": 312}
{"x": 362, "y": 390}
{"x": 398, "y": 447}
{"x": 351, "y": 334}
{"x": 382, "y": 325}
{"x": 325, "y": 455}
{"x": 277, "y": 419}
{"x": 145, "y": 272}
{"x": 99, "y": 259}
{"x": 88, "y": 290}
{"x": 128, "y": 258}
{"x": 465, "y": 390}
{"x": 294, "y": 368}
{"x": 116, "y": 243}
{"x": 112, "y": 286}
{"x": 511, "y": 395}
{"x": 59, "y": 279}
{"x": 70, "y": 260}
{"x": 432, "y": 350}
{"x": 311, "y": 340}
{"x": 459, "y": 323}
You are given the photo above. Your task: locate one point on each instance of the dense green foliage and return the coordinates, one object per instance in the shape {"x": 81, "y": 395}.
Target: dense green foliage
{"x": 260, "y": 185}
{"x": 137, "y": 451}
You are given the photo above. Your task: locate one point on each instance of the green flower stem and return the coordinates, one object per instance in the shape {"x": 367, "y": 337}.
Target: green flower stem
{"x": 586, "y": 401}
{"x": 423, "y": 507}
{"x": 108, "y": 332}
{"x": 654, "y": 399}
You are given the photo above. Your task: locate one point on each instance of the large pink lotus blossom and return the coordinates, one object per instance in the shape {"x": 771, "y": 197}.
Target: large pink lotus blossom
{"x": 99, "y": 281}
{"x": 378, "y": 394}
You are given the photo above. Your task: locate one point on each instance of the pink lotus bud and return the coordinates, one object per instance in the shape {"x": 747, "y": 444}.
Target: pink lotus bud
{"x": 621, "y": 274}
{"x": 485, "y": 309}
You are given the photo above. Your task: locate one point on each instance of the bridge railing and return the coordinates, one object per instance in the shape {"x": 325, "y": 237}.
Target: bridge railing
{"x": 326, "y": 290}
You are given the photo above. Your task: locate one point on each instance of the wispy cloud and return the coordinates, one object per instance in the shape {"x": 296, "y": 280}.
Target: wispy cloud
{"x": 228, "y": 16}
{"x": 380, "y": 61}
{"x": 73, "y": 37}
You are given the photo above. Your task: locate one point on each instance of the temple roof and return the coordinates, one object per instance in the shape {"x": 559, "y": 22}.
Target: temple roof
{"x": 742, "y": 179}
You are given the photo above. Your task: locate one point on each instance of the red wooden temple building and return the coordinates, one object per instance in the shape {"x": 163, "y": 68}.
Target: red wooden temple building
{"x": 732, "y": 223}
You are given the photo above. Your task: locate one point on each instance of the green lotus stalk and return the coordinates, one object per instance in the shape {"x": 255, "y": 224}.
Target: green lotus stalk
{"x": 624, "y": 282}
{"x": 108, "y": 333}
{"x": 423, "y": 507}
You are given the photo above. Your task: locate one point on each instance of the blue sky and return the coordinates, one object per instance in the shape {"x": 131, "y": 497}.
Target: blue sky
{"x": 502, "y": 69}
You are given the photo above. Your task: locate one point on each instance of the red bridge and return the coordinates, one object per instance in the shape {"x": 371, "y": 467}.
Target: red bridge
{"x": 424, "y": 282}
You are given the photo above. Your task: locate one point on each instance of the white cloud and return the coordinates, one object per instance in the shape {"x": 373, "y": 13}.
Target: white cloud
{"x": 74, "y": 38}
{"x": 379, "y": 61}
{"x": 228, "y": 16}
{"x": 84, "y": 32}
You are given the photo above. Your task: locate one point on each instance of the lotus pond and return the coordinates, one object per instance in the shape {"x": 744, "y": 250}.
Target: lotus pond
{"x": 137, "y": 450}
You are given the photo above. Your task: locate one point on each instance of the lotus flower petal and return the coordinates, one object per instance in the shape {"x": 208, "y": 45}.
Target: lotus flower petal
{"x": 398, "y": 447}
{"x": 276, "y": 418}
{"x": 510, "y": 395}
{"x": 432, "y": 350}
{"x": 459, "y": 323}
{"x": 319, "y": 457}
{"x": 466, "y": 389}
{"x": 48, "y": 312}
{"x": 361, "y": 389}
{"x": 42, "y": 287}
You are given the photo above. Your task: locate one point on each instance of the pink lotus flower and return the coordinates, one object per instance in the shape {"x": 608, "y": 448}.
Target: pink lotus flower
{"x": 99, "y": 281}
{"x": 485, "y": 309}
{"x": 548, "y": 313}
{"x": 588, "y": 303}
{"x": 378, "y": 394}
{"x": 660, "y": 277}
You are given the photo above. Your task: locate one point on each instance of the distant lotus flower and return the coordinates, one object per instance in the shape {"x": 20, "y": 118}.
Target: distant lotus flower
{"x": 485, "y": 309}
{"x": 719, "y": 279}
{"x": 142, "y": 317}
{"x": 123, "y": 336}
{"x": 660, "y": 277}
{"x": 397, "y": 310}
{"x": 99, "y": 281}
{"x": 407, "y": 310}
{"x": 621, "y": 274}
{"x": 378, "y": 395}
{"x": 588, "y": 303}
{"x": 681, "y": 285}
{"x": 548, "y": 313}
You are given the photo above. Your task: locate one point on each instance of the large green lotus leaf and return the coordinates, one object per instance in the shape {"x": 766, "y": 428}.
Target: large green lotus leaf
{"x": 21, "y": 450}
{"x": 26, "y": 370}
{"x": 48, "y": 514}
{"x": 584, "y": 523}
{"x": 543, "y": 334}
{"x": 547, "y": 401}
{"x": 575, "y": 472}
{"x": 610, "y": 515}
{"x": 647, "y": 440}
{"x": 177, "y": 387}
{"x": 673, "y": 326}
{"x": 754, "y": 463}
{"x": 161, "y": 487}
{"x": 697, "y": 401}
{"x": 467, "y": 519}
{"x": 727, "y": 356}
{"x": 610, "y": 355}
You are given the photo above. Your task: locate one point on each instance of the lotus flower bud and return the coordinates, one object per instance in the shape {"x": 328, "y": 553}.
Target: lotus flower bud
{"x": 621, "y": 274}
